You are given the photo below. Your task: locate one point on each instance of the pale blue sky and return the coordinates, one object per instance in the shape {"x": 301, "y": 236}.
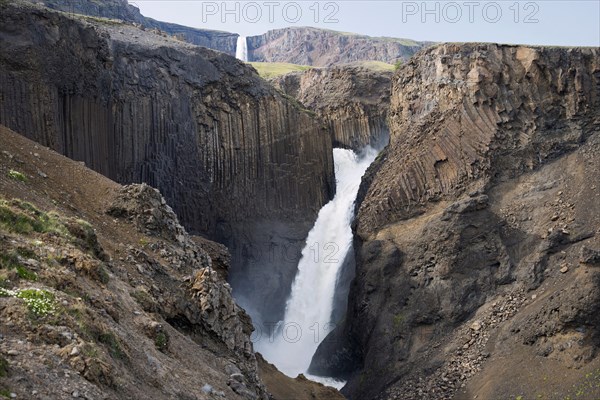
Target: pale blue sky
{"x": 549, "y": 22}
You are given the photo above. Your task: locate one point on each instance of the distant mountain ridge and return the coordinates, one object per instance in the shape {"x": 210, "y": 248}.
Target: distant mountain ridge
{"x": 322, "y": 47}
{"x": 296, "y": 45}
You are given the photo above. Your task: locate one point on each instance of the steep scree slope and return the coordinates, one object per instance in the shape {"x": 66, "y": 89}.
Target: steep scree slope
{"x": 134, "y": 307}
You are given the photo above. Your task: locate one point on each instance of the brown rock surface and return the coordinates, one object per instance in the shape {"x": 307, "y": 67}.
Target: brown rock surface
{"x": 352, "y": 100}
{"x": 136, "y": 309}
{"x": 282, "y": 387}
{"x": 487, "y": 190}
{"x": 322, "y": 47}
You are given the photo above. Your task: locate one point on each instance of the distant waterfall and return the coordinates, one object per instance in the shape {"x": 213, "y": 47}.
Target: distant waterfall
{"x": 294, "y": 341}
{"x": 241, "y": 49}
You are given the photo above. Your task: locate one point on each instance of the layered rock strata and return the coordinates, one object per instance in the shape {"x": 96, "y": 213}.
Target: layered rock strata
{"x": 352, "y": 100}
{"x": 472, "y": 229}
{"x": 321, "y": 47}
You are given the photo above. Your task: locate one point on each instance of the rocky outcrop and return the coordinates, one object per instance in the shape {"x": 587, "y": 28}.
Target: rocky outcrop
{"x": 104, "y": 281}
{"x": 353, "y": 101}
{"x": 122, "y": 10}
{"x": 236, "y": 160}
{"x": 470, "y": 229}
{"x": 489, "y": 113}
{"x": 321, "y": 48}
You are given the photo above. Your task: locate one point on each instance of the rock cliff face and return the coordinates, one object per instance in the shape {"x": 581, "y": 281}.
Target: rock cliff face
{"x": 121, "y": 9}
{"x": 237, "y": 161}
{"x": 473, "y": 228}
{"x": 321, "y": 48}
{"x": 353, "y": 101}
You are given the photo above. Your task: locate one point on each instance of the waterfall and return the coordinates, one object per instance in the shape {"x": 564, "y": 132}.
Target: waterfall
{"x": 241, "y": 49}
{"x": 293, "y": 341}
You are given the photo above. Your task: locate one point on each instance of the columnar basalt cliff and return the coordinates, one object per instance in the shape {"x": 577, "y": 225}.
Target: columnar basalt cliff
{"x": 321, "y": 47}
{"x": 122, "y": 10}
{"x": 476, "y": 232}
{"x": 104, "y": 295}
{"x": 353, "y": 101}
{"x": 237, "y": 161}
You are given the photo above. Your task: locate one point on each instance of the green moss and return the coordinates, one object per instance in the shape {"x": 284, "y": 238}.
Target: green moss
{"x": 398, "y": 321}
{"x": 26, "y": 274}
{"x": 112, "y": 343}
{"x": 161, "y": 341}
{"x": 90, "y": 351}
{"x": 9, "y": 261}
{"x": 17, "y": 176}
{"x": 4, "y": 282}
{"x": 13, "y": 221}
{"x": 143, "y": 298}
{"x": 3, "y": 367}
{"x": 26, "y": 253}
{"x": 5, "y": 393}
{"x": 83, "y": 236}
{"x": 23, "y": 218}
{"x": 102, "y": 275}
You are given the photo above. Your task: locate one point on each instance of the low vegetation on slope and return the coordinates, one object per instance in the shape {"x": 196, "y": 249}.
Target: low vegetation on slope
{"x": 103, "y": 294}
{"x": 101, "y": 289}
{"x": 271, "y": 70}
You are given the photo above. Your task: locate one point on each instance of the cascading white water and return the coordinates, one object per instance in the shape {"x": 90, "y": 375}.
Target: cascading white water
{"x": 308, "y": 311}
{"x": 241, "y": 48}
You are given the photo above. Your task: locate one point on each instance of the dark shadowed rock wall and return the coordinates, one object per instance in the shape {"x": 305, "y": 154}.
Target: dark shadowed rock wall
{"x": 236, "y": 160}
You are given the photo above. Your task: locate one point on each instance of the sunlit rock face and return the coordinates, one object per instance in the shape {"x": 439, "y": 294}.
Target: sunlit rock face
{"x": 482, "y": 199}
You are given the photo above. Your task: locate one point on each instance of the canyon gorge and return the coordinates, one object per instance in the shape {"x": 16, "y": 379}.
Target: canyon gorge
{"x": 168, "y": 201}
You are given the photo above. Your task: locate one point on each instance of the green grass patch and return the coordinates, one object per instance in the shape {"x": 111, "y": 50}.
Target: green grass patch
{"x": 398, "y": 321}
{"x": 26, "y": 274}
{"x": 9, "y": 261}
{"x": 112, "y": 343}
{"x": 17, "y": 176}
{"x": 5, "y": 393}
{"x": 372, "y": 65}
{"x": 21, "y": 217}
{"x": 26, "y": 253}
{"x": 3, "y": 367}
{"x": 102, "y": 20}
{"x": 271, "y": 70}
{"x": 161, "y": 341}
{"x": 39, "y": 302}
